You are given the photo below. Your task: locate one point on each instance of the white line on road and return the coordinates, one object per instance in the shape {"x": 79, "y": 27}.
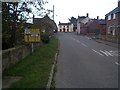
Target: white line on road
{"x": 84, "y": 44}
{"x": 74, "y": 39}
{"x": 104, "y": 52}
{"x": 78, "y": 41}
{"x": 117, "y": 63}
{"x": 108, "y": 53}
{"x": 97, "y": 52}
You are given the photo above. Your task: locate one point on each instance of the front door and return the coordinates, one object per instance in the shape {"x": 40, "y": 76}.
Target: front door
{"x": 63, "y": 29}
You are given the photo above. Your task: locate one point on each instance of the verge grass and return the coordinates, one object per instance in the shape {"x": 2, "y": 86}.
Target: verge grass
{"x": 35, "y": 68}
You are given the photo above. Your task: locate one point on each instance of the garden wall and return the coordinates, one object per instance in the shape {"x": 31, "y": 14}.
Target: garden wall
{"x": 13, "y": 55}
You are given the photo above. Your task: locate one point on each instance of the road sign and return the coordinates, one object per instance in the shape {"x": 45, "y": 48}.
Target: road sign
{"x": 32, "y": 35}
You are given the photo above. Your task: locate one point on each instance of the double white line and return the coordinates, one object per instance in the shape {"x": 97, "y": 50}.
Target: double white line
{"x": 106, "y": 53}
{"x": 97, "y": 52}
{"x": 84, "y": 44}
{"x": 103, "y": 53}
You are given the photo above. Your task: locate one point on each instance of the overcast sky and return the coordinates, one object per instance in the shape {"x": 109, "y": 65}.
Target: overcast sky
{"x": 65, "y": 9}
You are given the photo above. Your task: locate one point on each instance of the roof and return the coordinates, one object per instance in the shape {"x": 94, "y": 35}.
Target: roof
{"x": 41, "y": 22}
{"x": 64, "y": 24}
{"x": 101, "y": 22}
{"x": 116, "y": 10}
{"x": 81, "y": 17}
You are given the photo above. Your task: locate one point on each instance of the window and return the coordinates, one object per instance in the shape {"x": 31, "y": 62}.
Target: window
{"x": 109, "y": 17}
{"x": 67, "y": 26}
{"x": 109, "y": 31}
{"x": 114, "y": 16}
{"x": 67, "y": 30}
{"x": 60, "y": 30}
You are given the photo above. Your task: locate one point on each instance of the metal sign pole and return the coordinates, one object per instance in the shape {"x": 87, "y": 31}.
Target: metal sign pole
{"x": 32, "y": 45}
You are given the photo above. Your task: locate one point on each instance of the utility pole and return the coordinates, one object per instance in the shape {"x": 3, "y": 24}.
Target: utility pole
{"x": 53, "y": 12}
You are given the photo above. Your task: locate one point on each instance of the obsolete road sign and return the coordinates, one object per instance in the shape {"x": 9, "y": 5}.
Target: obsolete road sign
{"x": 32, "y": 35}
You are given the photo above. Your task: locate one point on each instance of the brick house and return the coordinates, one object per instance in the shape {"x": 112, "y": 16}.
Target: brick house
{"x": 94, "y": 26}
{"x": 65, "y": 27}
{"x": 113, "y": 21}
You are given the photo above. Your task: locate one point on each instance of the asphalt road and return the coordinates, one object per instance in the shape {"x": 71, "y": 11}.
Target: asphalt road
{"x": 85, "y": 63}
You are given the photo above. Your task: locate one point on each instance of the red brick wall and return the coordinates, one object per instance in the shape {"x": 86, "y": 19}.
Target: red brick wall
{"x": 92, "y": 26}
{"x": 96, "y": 25}
{"x": 84, "y": 30}
{"x": 103, "y": 29}
{"x": 118, "y": 17}
{"x": 112, "y": 21}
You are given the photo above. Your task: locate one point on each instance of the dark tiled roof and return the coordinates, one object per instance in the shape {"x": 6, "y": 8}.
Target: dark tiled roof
{"x": 116, "y": 10}
{"x": 64, "y": 23}
{"x": 81, "y": 17}
{"x": 103, "y": 22}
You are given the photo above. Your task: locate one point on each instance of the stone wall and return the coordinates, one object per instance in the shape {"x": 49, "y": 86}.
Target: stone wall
{"x": 13, "y": 55}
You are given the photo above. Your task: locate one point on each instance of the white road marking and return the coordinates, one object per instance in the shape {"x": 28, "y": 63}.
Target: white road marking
{"x": 84, "y": 44}
{"x": 117, "y": 63}
{"x": 78, "y": 41}
{"x": 88, "y": 37}
{"x": 104, "y": 52}
{"x": 74, "y": 39}
{"x": 108, "y": 53}
{"x": 115, "y": 53}
{"x": 97, "y": 52}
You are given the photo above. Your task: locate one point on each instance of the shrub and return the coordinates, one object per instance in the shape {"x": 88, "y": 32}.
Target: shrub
{"x": 45, "y": 38}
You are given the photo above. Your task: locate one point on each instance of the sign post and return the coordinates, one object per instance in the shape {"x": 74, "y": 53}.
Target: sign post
{"x": 32, "y": 45}
{"x": 32, "y": 36}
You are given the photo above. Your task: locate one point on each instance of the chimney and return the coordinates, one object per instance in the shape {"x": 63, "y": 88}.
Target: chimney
{"x": 118, "y": 3}
{"x": 97, "y": 17}
{"x": 87, "y": 15}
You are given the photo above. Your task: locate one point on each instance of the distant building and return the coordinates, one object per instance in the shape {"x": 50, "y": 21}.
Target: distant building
{"x": 73, "y": 20}
{"x": 65, "y": 27}
{"x": 95, "y": 26}
{"x": 113, "y": 21}
{"x": 81, "y": 21}
{"x": 45, "y": 24}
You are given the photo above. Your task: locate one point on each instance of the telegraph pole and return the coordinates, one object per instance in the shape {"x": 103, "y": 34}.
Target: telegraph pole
{"x": 53, "y": 12}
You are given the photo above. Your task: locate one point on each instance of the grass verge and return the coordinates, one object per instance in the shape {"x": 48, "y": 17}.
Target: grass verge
{"x": 35, "y": 68}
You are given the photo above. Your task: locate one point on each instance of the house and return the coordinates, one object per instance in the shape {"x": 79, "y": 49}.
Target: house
{"x": 81, "y": 21}
{"x": 94, "y": 26}
{"x": 73, "y": 20}
{"x": 65, "y": 27}
{"x": 45, "y": 24}
{"x": 113, "y": 21}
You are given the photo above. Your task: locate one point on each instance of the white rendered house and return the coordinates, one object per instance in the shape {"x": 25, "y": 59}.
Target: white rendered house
{"x": 82, "y": 20}
{"x": 65, "y": 27}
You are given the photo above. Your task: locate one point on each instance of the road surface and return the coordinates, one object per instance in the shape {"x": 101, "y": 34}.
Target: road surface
{"x": 85, "y": 63}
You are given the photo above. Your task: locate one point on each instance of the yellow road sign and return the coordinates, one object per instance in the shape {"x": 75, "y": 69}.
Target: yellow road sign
{"x": 32, "y": 35}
